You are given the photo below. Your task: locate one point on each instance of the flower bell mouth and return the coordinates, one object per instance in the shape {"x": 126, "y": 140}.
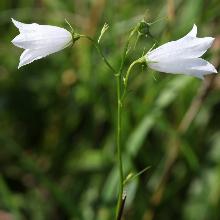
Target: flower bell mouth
{"x": 40, "y": 41}
{"x": 182, "y": 56}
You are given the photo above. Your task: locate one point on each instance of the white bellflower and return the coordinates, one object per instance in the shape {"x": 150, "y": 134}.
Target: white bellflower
{"x": 182, "y": 56}
{"x": 40, "y": 41}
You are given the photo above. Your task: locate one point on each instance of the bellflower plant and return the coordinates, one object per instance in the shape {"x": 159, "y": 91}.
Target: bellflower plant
{"x": 182, "y": 56}
{"x": 40, "y": 41}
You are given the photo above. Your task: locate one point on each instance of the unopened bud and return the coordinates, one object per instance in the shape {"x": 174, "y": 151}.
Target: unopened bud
{"x": 144, "y": 28}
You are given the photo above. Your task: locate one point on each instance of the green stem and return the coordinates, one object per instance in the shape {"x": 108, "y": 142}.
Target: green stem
{"x": 118, "y": 76}
{"x": 120, "y": 99}
{"x": 119, "y": 208}
{"x": 97, "y": 46}
{"x": 125, "y": 79}
{"x": 119, "y": 110}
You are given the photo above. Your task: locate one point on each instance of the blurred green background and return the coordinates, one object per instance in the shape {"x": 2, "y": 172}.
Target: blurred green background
{"x": 57, "y": 117}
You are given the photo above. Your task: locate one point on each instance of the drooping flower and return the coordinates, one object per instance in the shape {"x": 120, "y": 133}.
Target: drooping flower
{"x": 182, "y": 56}
{"x": 40, "y": 41}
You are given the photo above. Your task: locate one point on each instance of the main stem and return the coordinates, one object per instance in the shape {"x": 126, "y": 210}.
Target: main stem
{"x": 118, "y": 77}
{"x": 119, "y": 155}
{"x": 120, "y": 98}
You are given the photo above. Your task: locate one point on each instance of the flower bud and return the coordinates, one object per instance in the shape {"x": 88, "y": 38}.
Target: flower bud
{"x": 144, "y": 28}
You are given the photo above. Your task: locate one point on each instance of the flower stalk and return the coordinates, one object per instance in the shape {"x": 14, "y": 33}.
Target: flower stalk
{"x": 118, "y": 141}
{"x": 125, "y": 79}
{"x": 97, "y": 46}
{"x": 118, "y": 78}
{"x": 120, "y": 99}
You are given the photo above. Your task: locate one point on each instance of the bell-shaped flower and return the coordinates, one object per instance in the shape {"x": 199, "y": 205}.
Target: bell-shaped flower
{"x": 40, "y": 41}
{"x": 182, "y": 56}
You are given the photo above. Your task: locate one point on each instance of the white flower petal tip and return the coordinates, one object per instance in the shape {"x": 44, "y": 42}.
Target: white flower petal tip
{"x": 16, "y": 23}
{"x": 40, "y": 41}
{"x": 193, "y": 32}
{"x": 182, "y": 56}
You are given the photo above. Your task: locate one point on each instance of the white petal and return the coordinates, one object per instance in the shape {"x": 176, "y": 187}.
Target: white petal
{"x": 187, "y": 47}
{"x": 29, "y": 55}
{"x": 195, "y": 67}
{"x": 34, "y": 36}
{"x": 25, "y": 27}
{"x": 193, "y": 32}
{"x": 43, "y": 39}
